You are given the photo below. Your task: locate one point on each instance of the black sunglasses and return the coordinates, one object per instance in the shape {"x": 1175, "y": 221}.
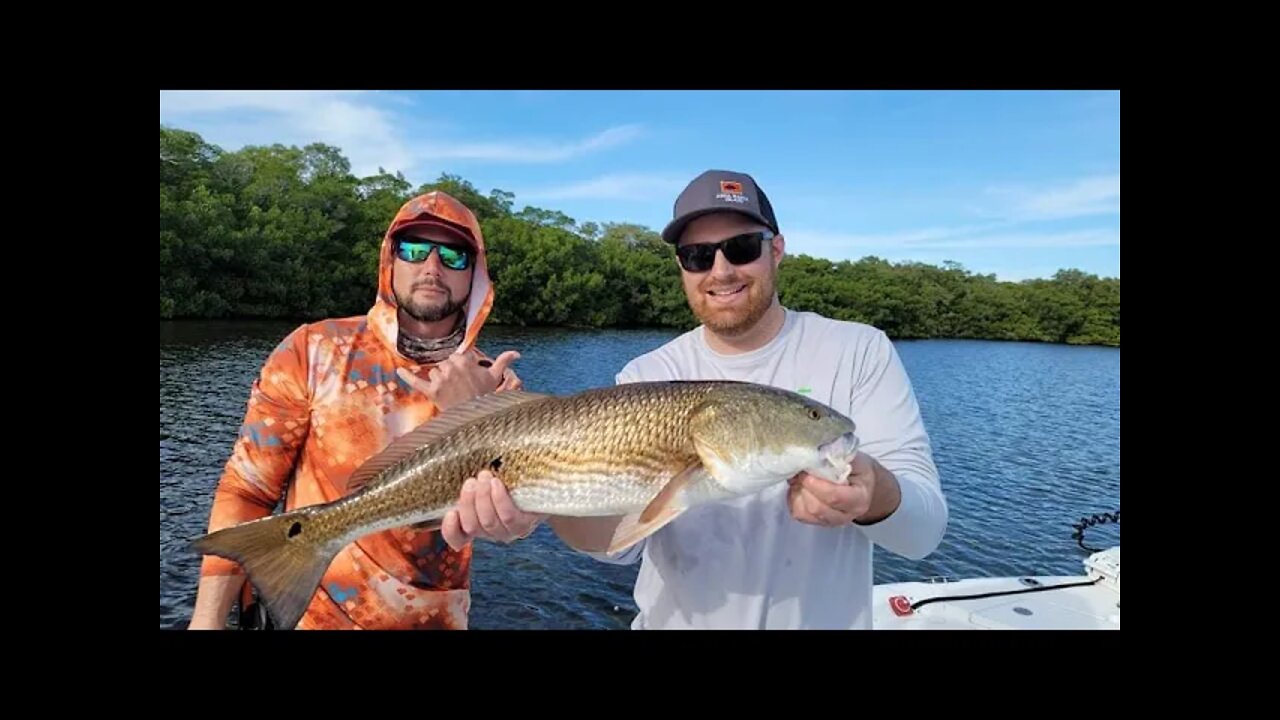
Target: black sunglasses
{"x": 739, "y": 250}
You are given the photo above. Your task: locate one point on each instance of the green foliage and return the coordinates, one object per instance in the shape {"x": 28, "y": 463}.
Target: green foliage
{"x": 290, "y": 232}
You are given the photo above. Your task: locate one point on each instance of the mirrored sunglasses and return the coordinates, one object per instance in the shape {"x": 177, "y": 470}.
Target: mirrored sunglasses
{"x": 417, "y": 251}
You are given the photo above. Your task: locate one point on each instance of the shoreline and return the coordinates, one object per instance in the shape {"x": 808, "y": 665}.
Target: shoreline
{"x": 247, "y": 320}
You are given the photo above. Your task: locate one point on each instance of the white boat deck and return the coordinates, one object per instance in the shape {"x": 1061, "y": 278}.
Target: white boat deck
{"x": 1090, "y": 601}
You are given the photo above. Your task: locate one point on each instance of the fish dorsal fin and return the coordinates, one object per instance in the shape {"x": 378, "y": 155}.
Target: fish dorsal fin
{"x": 436, "y": 428}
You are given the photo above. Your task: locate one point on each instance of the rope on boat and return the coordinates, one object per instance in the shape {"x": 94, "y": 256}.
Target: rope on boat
{"x": 1091, "y": 521}
{"x": 1080, "y": 527}
{"x": 996, "y": 593}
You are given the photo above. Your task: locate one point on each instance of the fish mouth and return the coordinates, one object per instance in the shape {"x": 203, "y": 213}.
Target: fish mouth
{"x": 842, "y": 447}
{"x": 838, "y": 457}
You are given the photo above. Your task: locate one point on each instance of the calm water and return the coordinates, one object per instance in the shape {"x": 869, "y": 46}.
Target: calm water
{"x": 1027, "y": 438}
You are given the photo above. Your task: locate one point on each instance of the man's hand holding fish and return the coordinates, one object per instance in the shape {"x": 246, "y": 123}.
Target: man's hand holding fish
{"x": 869, "y": 495}
{"x": 485, "y": 510}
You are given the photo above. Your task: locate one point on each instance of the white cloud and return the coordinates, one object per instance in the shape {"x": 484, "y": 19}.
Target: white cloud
{"x": 530, "y": 150}
{"x": 364, "y": 132}
{"x": 1098, "y": 195}
{"x": 190, "y": 102}
{"x": 1019, "y": 222}
{"x": 645, "y": 187}
{"x": 838, "y": 245}
{"x": 1081, "y": 238}
{"x": 920, "y": 237}
{"x": 361, "y": 124}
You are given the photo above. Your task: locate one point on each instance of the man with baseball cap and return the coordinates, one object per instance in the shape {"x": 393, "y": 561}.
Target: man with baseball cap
{"x": 798, "y": 555}
{"x": 719, "y": 191}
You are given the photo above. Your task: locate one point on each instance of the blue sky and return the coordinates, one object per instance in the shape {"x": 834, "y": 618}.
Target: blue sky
{"x": 1018, "y": 184}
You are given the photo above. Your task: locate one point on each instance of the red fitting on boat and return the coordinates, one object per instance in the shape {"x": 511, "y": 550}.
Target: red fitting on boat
{"x": 900, "y": 605}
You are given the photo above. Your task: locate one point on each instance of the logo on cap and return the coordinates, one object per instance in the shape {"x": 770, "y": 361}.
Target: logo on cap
{"x": 731, "y": 191}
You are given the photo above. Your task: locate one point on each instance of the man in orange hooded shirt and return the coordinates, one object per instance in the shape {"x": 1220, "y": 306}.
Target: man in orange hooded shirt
{"x": 336, "y": 392}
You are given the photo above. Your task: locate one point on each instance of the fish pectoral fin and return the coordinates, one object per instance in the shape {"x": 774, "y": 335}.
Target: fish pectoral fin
{"x": 632, "y": 529}
{"x": 666, "y": 506}
{"x": 669, "y": 495}
{"x": 436, "y": 428}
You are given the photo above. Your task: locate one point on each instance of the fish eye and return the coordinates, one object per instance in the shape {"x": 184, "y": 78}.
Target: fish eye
{"x": 813, "y": 413}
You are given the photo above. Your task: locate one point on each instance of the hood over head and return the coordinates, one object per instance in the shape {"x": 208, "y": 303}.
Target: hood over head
{"x": 439, "y": 209}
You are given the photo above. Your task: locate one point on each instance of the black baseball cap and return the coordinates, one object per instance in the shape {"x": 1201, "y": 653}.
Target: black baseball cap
{"x": 719, "y": 191}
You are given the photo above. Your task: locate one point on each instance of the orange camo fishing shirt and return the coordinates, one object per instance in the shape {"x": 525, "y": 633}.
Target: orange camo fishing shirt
{"x": 328, "y": 398}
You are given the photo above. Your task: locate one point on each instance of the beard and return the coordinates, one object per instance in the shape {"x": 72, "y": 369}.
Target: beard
{"x": 430, "y": 310}
{"x": 731, "y": 321}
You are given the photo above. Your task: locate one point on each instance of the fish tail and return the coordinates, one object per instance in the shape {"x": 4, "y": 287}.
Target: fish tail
{"x": 283, "y": 560}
